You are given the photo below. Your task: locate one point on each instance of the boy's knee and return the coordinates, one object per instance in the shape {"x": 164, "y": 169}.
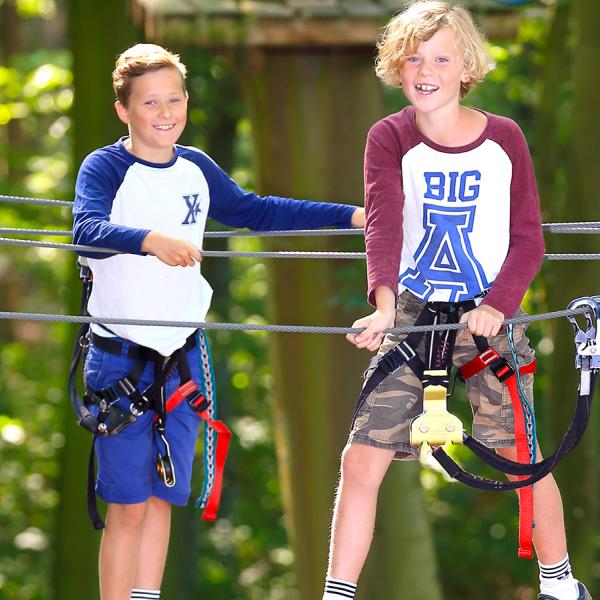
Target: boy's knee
{"x": 126, "y": 516}
{"x": 364, "y": 465}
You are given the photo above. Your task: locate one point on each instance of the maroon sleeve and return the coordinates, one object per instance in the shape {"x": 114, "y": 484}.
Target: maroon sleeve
{"x": 384, "y": 203}
{"x": 526, "y": 245}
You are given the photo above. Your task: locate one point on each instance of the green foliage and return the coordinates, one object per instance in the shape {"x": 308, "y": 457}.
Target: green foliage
{"x": 246, "y": 554}
{"x": 35, "y": 97}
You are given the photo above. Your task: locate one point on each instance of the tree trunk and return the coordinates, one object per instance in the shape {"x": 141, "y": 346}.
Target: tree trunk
{"x": 310, "y": 113}
{"x": 577, "y": 476}
{"x": 99, "y": 30}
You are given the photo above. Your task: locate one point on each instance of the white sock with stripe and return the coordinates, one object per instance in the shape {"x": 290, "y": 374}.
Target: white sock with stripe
{"x": 557, "y": 580}
{"x": 138, "y": 594}
{"x": 336, "y": 589}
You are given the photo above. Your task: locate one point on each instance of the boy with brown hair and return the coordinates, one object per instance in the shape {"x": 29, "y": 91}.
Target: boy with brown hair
{"x": 452, "y": 215}
{"x": 149, "y": 198}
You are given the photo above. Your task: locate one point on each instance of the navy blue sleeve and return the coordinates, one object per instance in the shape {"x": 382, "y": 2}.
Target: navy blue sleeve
{"x": 97, "y": 183}
{"x": 235, "y": 207}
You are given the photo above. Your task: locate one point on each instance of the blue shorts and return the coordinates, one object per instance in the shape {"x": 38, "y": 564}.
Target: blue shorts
{"x": 127, "y": 461}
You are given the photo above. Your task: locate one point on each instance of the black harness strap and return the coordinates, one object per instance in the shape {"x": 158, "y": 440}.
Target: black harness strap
{"x": 152, "y": 398}
{"x": 535, "y": 471}
{"x": 84, "y": 417}
{"x": 405, "y": 353}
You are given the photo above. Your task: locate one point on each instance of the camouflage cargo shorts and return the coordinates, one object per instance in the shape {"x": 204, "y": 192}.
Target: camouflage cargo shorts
{"x": 384, "y": 419}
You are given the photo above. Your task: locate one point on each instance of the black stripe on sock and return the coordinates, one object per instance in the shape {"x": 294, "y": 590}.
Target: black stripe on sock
{"x": 340, "y": 588}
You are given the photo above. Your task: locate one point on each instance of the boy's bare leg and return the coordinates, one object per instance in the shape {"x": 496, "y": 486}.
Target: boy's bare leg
{"x": 549, "y": 535}
{"x": 362, "y": 471}
{"x": 119, "y": 549}
{"x": 153, "y": 545}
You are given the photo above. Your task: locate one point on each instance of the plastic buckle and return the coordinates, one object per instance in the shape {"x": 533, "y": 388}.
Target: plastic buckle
{"x": 488, "y": 356}
{"x": 197, "y": 402}
{"x": 392, "y": 360}
{"x": 501, "y": 369}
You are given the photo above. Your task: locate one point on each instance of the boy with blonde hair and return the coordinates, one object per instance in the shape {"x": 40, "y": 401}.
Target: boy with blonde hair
{"x": 452, "y": 216}
{"x": 148, "y": 198}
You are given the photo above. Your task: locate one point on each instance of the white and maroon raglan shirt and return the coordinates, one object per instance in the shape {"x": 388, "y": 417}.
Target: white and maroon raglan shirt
{"x": 451, "y": 223}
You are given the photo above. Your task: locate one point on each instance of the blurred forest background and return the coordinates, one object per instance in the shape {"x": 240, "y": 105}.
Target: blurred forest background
{"x": 434, "y": 538}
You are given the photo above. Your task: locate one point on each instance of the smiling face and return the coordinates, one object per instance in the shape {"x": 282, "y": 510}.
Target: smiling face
{"x": 432, "y": 75}
{"x": 156, "y": 114}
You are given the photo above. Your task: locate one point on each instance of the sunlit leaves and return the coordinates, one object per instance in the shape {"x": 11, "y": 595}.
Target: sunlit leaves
{"x": 28, "y": 9}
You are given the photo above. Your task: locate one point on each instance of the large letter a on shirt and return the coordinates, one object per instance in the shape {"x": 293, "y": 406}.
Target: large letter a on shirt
{"x": 444, "y": 259}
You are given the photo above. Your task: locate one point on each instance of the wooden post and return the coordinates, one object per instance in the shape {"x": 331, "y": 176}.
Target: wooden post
{"x": 310, "y": 112}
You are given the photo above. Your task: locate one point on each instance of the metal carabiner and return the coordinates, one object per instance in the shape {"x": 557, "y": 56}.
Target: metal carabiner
{"x": 587, "y": 343}
{"x": 164, "y": 464}
{"x": 592, "y": 315}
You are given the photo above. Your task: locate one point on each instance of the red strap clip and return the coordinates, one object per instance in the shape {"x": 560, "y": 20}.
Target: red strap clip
{"x": 480, "y": 362}
{"x": 182, "y": 392}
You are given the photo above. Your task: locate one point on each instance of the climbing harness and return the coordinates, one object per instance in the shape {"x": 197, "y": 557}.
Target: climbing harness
{"x": 109, "y": 418}
{"x": 436, "y": 428}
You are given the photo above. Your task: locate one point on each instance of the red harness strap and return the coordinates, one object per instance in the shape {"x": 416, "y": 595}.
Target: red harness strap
{"x": 507, "y": 376}
{"x": 223, "y": 434}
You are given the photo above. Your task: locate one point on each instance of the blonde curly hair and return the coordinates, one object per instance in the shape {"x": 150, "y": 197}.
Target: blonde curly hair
{"x": 419, "y": 22}
{"x": 140, "y": 59}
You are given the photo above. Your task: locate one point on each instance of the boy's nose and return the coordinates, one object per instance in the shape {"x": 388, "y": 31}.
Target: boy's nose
{"x": 425, "y": 68}
{"x": 164, "y": 110}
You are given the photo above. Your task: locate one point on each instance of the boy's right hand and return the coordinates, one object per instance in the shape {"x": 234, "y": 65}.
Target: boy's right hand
{"x": 173, "y": 251}
{"x": 375, "y": 324}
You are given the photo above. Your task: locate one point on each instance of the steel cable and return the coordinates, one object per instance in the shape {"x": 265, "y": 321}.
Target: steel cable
{"x": 269, "y": 328}
{"x": 240, "y": 254}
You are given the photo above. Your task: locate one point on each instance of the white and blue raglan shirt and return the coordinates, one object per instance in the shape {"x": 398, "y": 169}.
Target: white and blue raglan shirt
{"x": 120, "y": 198}
{"x": 451, "y": 223}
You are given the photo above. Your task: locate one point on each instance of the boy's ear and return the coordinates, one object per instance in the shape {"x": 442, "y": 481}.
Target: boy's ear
{"x": 122, "y": 112}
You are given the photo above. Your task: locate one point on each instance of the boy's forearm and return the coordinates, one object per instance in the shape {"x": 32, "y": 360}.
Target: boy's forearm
{"x": 90, "y": 231}
{"x": 385, "y": 299}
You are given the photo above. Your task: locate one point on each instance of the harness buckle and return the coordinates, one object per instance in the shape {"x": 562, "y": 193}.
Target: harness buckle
{"x": 396, "y": 357}
{"x": 197, "y": 402}
{"x": 502, "y": 369}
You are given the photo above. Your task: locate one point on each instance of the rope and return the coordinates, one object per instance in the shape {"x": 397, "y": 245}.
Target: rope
{"x": 40, "y": 201}
{"x": 580, "y": 227}
{"x": 207, "y": 234}
{"x": 214, "y": 253}
{"x": 239, "y": 254}
{"x": 589, "y": 227}
{"x": 22, "y": 316}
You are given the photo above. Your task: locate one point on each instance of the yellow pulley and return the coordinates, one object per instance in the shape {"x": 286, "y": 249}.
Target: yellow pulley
{"x": 435, "y": 426}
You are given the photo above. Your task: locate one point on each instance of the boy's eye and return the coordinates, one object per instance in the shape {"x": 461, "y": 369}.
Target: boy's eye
{"x": 175, "y": 100}
{"x": 149, "y": 102}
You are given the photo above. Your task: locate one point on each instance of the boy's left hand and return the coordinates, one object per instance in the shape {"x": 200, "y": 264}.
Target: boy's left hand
{"x": 358, "y": 218}
{"x": 483, "y": 320}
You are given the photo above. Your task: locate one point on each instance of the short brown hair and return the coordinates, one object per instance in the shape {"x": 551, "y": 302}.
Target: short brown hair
{"x": 140, "y": 59}
{"x": 419, "y": 22}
